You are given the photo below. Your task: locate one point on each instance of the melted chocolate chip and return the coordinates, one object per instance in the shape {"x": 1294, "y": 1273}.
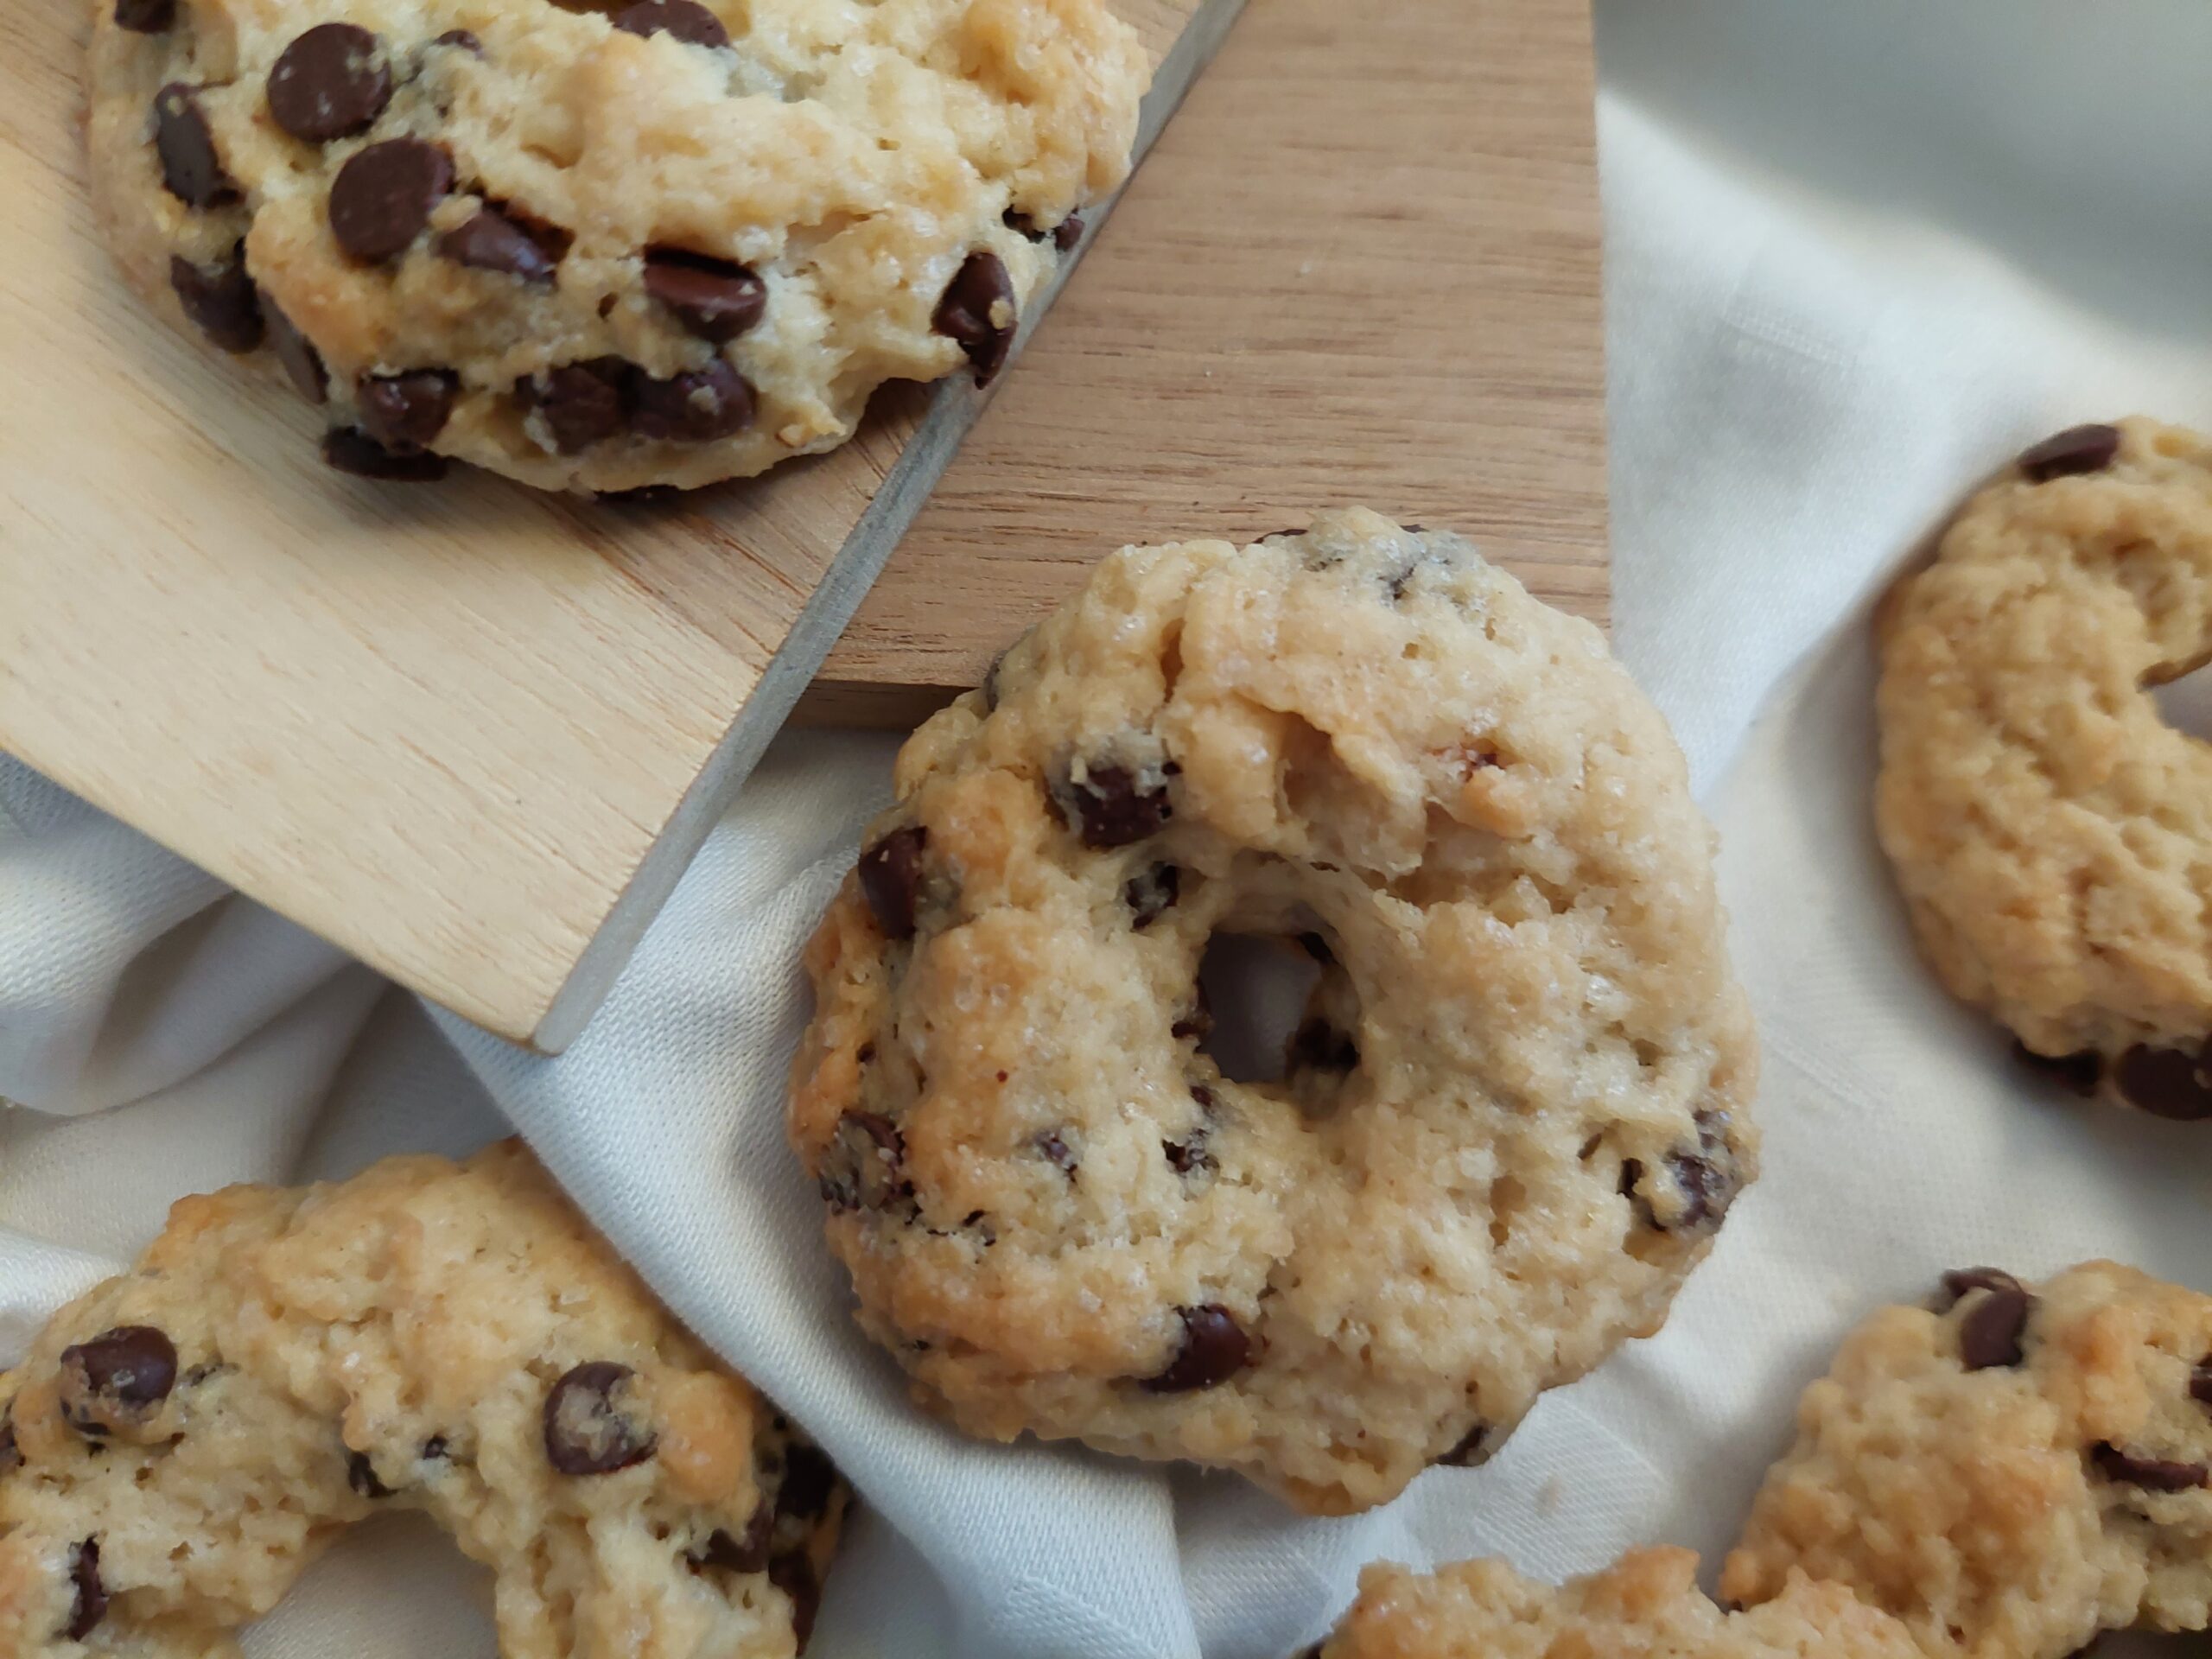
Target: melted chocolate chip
{"x": 686, "y": 19}
{"x": 383, "y": 197}
{"x": 1109, "y": 808}
{"x": 978, "y": 312}
{"x": 695, "y": 406}
{"x": 191, "y": 170}
{"x": 581, "y": 402}
{"x": 865, "y": 1167}
{"x": 464, "y": 38}
{"x": 1191, "y": 1153}
{"x": 809, "y": 1479}
{"x": 302, "y": 363}
{"x": 361, "y": 1476}
{"x": 746, "y": 1554}
{"x": 145, "y": 16}
{"x": 1990, "y": 1334}
{"x": 1957, "y": 1282}
{"x": 123, "y": 1374}
{"x": 350, "y": 449}
{"x": 2077, "y": 449}
{"x": 715, "y": 299}
{"x": 492, "y": 240}
{"x": 405, "y": 411}
{"x": 1319, "y": 1046}
{"x": 90, "y": 1606}
{"x": 1149, "y": 891}
{"x": 587, "y": 1430}
{"x": 1471, "y": 1449}
{"x": 1213, "y": 1348}
{"x": 2151, "y": 1474}
{"x": 891, "y": 879}
{"x": 794, "y": 1575}
{"x": 2080, "y": 1072}
{"x": 2168, "y": 1083}
{"x": 220, "y": 298}
{"x": 1055, "y": 1151}
{"x": 329, "y": 82}
{"x": 1067, "y": 232}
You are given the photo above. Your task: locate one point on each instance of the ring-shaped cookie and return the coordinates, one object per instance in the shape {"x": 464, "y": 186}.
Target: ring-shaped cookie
{"x": 1510, "y": 1124}
{"x": 2051, "y": 833}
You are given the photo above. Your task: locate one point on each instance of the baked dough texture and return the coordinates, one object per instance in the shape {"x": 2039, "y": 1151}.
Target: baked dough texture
{"x": 599, "y": 249}
{"x": 1646, "y": 1605}
{"x": 2010, "y": 1470}
{"x": 2051, "y": 834}
{"x": 1509, "y": 1125}
{"x": 179, "y": 1442}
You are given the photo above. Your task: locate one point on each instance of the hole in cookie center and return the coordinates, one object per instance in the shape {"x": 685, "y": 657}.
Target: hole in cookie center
{"x": 1284, "y": 1013}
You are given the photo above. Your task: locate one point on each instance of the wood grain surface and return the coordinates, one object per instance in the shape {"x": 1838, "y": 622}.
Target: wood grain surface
{"x": 473, "y": 735}
{"x": 1362, "y": 267}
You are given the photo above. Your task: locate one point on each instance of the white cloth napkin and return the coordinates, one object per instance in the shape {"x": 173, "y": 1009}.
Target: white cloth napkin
{"x": 1858, "y": 255}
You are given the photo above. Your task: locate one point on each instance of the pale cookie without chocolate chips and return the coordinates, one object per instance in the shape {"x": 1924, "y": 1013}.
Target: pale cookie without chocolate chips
{"x": 603, "y": 248}
{"x": 1508, "y": 1126}
{"x": 180, "y": 1442}
{"x": 1646, "y": 1605}
{"x": 2052, "y": 835}
{"x": 2009, "y": 1471}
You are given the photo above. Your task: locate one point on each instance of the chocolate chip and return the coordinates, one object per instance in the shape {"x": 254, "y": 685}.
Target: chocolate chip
{"x": 220, "y": 298}
{"x": 698, "y": 406}
{"x": 123, "y": 1374}
{"x": 145, "y": 16}
{"x": 809, "y": 1479}
{"x": 794, "y": 1575}
{"x": 1990, "y": 1333}
{"x": 891, "y": 879}
{"x": 686, "y": 20}
{"x": 1317, "y": 947}
{"x": 1111, "y": 809}
{"x": 405, "y": 411}
{"x": 350, "y": 449}
{"x": 191, "y": 170}
{"x": 1957, "y": 1282}
{"x": 361, "y": 1476}
{"x": 491, "y": 240}
{"x": 1705, "y": 1177}
{"x": 746, "y": 1554}
{"x": 1705, "y": 1190}
{"x": 1470, "y": 1449}
{"x": 1203, "y": 1096}
{"x": 1198, "y": 1022}
{"x": 1067, "y": 232}
{"x": 1318, "y": 1046}
{"x": 434, "y": 1449}
{"x": 978, "y": 312}
{"x": 2077, "y": 449}
{"x": 1191, "y": 1153}
{"x": 383, "y": 197}
{"x": 2152, "y": 1474}
{"x": 2079, "y": 1071}
{"x": 329, "y": 82}
{"x": 1213, "y": 1348}
{"x": 2168, "y": 1083}
{"x": 587, "y": 1430}
{"x": 90, "y": 1606}
{"x": 581, "y": 402}
{"x": 1149, "y": 891}
{"x": 1014, "y": 219}
{"x": 2200, "y": 1382}
{"x": 298, "y": 355}
{"x": 464, "y": 38}
{"x": 11, "y": 1455}
{"x": 715, "y": 299}
{"x": 865, "y": 1167}
{"x": 1055, "y": 1151}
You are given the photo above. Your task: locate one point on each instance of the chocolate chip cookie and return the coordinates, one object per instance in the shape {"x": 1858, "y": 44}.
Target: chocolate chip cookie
{"x": 1509, "y": 1124}
{"x": 603, "y": 248}
{"x": 2051, "y": 834}
{"x": 2009, "y": 1470}
{"x": 1646, "y": 1605}
{"x": 179, "y": 1442}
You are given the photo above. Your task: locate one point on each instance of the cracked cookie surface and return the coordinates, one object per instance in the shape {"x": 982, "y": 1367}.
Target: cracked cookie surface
{"x": 2010, "y": 1470}
{"x": 179, "y": 1442}
{"x": 667, "y": 244}
{"x": 1509, "y": 1125}
{"x": 2051, "y": 834}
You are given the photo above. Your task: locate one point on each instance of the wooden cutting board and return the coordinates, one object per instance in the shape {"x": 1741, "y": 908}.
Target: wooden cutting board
{"x": 473, "y": 735}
